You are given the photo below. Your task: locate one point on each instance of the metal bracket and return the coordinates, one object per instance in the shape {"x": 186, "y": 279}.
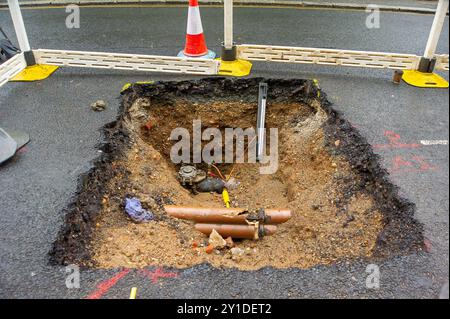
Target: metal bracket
{"x": 29, "y": 58}
{"x": 259, "y": 216}
{"x": 229, "y": 54}
{"x": 426, "y": 65}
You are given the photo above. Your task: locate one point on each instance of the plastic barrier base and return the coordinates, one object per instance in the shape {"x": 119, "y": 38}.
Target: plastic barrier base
{"x": 235, "y": 68}
{"x": 424, "y": 80}
{"x": 36, "y": 72}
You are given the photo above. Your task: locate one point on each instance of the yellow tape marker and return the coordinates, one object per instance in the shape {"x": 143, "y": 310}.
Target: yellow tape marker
{"x": 226, "y": 198}
{"x": 133, "y": 293}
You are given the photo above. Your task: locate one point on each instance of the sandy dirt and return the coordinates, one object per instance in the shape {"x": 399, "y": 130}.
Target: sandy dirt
{"x": 329, "y": 222}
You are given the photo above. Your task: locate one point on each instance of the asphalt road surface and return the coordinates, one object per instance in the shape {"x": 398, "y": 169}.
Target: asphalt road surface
{"x": 39, "y": 183}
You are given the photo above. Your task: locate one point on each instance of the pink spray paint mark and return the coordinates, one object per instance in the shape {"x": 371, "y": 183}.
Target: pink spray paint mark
{"x": 159, "y": 273}
{"x": 414, "y": 164}
{"x": 106, "y": 285}
{"x": 395, "y": 142}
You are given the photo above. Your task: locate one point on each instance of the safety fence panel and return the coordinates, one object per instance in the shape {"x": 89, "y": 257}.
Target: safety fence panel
{"x": 11, "y": 68}
{"x": 441, "y": 62}
{"x": 351, "y": 58}
{"x": 133, "y": 62}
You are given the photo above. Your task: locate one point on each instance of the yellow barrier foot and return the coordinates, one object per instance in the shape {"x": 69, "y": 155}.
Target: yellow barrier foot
{"x": 424, "y": 80}
{"x": 235, "y": 68}
{"x": 36, "y": 72}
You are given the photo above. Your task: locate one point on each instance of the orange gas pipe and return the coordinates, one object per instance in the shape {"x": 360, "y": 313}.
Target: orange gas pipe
{"x": 227, "y": 215}
{"x": 238, "y": 231}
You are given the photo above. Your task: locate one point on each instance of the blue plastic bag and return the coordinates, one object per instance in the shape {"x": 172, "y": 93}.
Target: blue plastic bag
{"x": 133, "y": 208}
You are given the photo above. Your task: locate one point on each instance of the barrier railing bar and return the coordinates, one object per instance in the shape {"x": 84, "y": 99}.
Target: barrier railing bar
{"x": 328, "y": 56}
{"x": 11, "y": 68}
{"x": 104, "y": 60}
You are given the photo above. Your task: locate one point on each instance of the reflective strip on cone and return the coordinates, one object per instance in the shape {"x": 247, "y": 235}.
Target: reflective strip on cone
{"x": 194, "y": 24}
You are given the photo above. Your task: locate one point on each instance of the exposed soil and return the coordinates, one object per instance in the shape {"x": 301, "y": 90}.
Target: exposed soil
{"x": 343, "y": 205}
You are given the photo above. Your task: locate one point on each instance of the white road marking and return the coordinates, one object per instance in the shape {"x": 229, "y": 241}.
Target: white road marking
{"x": 434, "y": 142}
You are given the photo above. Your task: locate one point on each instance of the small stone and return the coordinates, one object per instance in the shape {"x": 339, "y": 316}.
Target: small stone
{"x": 216, "y": 240}
{"x": 229, "y": 242}
{"x": 236, "y": 252}
{"x": 98, "y": 106}
{"x": 333, "y": 164}
{"x": 337, "y": 143}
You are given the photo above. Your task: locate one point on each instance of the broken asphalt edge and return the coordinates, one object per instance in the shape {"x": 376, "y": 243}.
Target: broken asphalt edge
{"x": 402, "y": 234}
{"x": 261, "y": 3}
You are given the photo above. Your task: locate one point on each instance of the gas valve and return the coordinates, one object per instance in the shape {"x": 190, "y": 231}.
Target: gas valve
{"x": 197, "y": 180}
{"x": 189, "y": 175}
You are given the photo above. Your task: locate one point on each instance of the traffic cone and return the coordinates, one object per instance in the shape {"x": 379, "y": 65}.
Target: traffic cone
{"x": 195, "y": 40}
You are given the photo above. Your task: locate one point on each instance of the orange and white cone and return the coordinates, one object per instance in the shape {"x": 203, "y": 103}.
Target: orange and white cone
{"x": 195, "y": 40}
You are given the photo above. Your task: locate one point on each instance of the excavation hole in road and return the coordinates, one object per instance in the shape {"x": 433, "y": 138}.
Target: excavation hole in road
{"x": 343, "y": 205}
